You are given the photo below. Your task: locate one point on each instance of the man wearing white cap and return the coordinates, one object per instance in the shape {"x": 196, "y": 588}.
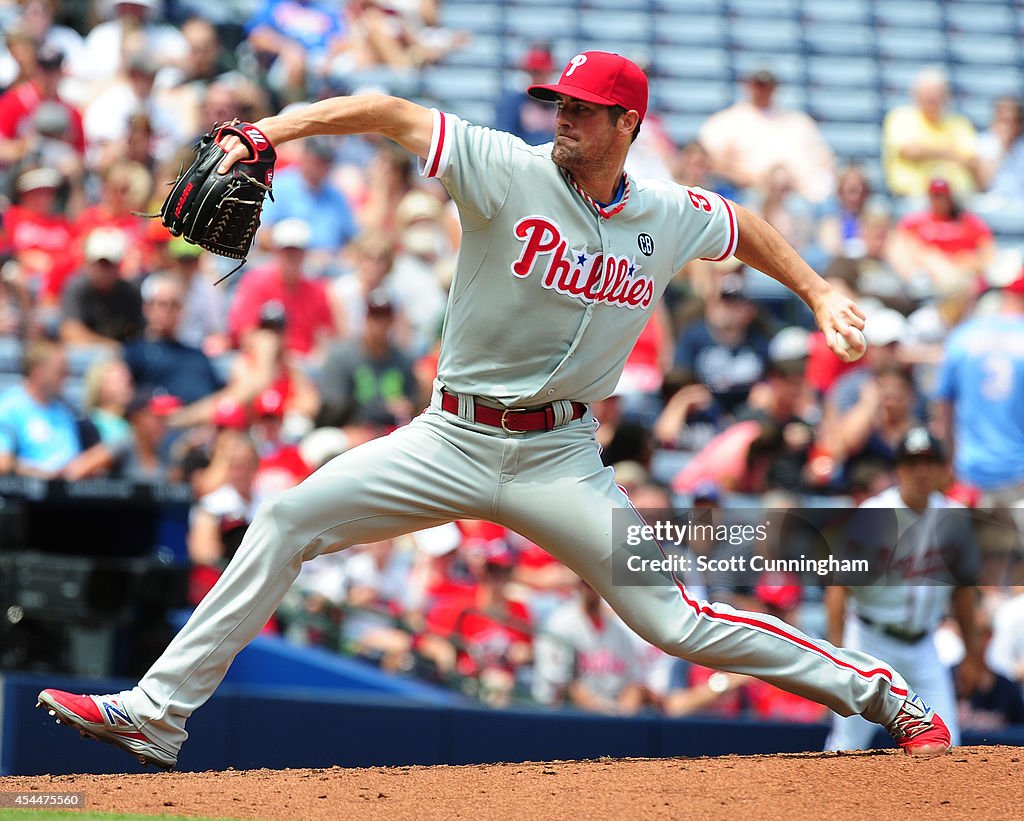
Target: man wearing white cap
{"x": 38, "y": 235}
{"x": 308, "y": 319}
{"x": 99, "y": 307}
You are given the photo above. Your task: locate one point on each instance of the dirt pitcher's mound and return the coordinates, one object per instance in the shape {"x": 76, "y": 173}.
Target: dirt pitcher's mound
{"x": 971, "y": 782}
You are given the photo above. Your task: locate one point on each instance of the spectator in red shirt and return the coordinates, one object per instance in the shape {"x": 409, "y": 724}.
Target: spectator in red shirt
{"x": 779, "y": 594}
{"x": 490, "y": 632}
{"x": 281, "y": 465}
{"x": 937, "y": 250}
{"x": 308, "y": 320}
{"x": 37, "y": 236}
{"x": 18, "y": 104}
{"x": 126, "y": 191}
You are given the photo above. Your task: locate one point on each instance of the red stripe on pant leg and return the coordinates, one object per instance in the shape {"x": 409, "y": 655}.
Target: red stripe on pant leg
{"x": 809, "y": 645}
{"x": 728, "y": 617}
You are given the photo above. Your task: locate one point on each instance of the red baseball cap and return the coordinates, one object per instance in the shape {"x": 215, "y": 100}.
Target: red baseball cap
{"x": 269, "y": 402}
{"x": 938, "y": 186}
{"x": 599, "y": 77}
{"x": 537, "y": 59}
{"x": 229, "y": 413}
{"x": 1017, "y": 286}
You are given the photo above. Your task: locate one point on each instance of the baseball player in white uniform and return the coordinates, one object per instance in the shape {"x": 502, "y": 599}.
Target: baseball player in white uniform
{"x": 563, "y": 258}
{"x": 896, "y": 617}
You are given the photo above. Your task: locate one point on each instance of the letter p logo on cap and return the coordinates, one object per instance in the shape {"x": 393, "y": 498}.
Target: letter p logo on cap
{"x": 576, "y": 62}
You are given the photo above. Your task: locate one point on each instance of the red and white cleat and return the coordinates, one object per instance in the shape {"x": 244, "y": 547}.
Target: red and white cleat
{"x": 918, "y": 729}
{"x": 105, "y": 719}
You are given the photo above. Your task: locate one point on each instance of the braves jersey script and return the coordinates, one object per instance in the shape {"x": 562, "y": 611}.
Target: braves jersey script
{"x": 931, "y": 553}
{"x": 552, "y": 290}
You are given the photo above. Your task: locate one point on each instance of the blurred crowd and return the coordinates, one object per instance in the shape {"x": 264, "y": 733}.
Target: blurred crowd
{"x": 129, "y": 361}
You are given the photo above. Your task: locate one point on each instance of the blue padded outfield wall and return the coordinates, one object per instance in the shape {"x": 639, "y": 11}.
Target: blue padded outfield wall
{"x": 346, "y": 713}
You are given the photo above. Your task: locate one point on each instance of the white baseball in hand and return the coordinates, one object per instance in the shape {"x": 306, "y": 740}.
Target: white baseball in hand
{"x": 851, "y": 352}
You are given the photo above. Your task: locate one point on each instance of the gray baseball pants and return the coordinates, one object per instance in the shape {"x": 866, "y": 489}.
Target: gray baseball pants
{"x": 549, "y": 486}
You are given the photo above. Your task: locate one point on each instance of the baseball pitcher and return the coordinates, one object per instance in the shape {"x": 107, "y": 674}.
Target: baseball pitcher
{"x": 563, "y": 258}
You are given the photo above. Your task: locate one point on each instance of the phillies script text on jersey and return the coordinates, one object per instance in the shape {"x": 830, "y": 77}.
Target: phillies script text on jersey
{"x": 610, "y": 279}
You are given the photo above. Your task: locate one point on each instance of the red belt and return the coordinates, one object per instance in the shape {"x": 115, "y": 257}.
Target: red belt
{"x": 512, "y": 420}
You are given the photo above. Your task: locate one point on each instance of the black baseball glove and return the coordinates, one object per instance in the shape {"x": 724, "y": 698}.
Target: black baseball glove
{"x": 221, "y": 212}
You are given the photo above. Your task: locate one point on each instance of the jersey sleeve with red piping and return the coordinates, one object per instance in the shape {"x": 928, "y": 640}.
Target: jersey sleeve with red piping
{"x": 709, "y": 223}
{"x": 474, "y": 163}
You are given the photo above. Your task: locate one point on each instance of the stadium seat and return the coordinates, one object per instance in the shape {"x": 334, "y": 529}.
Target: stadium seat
{"x": 976, "y": 109}
{"x": 482, "y": 50}
{"x": 842, "y": 72}
{"x": 785, "y": 36}
{"x": 984, "y": 49}
{"x": 792, "y": 96}
{"x": 982, "y": 81}
{"x": 853, "y": 140}
{"x": 789, "y": 68}
{"x": 773, "y": 9}
{"x": 687, "y": 96}
{"x": 457, "y": 83}
{"x": 1006, "y": 225}
{"x": 615, "y": 25}
{"x": 981, "y": 18}
{"x": 681, "y": 126}
{"x": 531, "y": 23}
{"x": 480, "y": 18}
{"x": 835, "y": 40}
{"x": 619, "y": 5}
{"x": 898, "y": 76}
{"x": 829, "y": 11}
{"x": 474, "y": 111}
{"x": 712, "y": 63}
{"x": 909, "y": 15}
{"x": 690, "y": 29}
{"x": 850, "y": 105}
{"x": 689, "y": 6}
{"x": 912, "y": 44}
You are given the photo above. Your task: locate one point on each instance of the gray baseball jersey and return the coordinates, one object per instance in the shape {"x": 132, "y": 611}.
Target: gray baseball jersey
{"x": 573, "y": 648}
{"x": 923, "y": 558}
{"x": 551, "y": 290}
{"x": 917, "y": 589}
{"x": 550, "y": 294}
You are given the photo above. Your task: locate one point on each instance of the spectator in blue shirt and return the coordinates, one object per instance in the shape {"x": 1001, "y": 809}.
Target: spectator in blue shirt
{"x": 980, "y": 395}
{"x": 724, "y": 350}
{"x": 294, "y": 35}
{"x": 40, "y": 434}
{"x": 304, "y": 192}
{"x": 517, "y": 112}
{"x": 159, "y": 361}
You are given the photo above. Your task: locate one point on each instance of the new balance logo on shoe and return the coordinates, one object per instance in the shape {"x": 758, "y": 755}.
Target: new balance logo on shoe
{"x": 105, "y": 718}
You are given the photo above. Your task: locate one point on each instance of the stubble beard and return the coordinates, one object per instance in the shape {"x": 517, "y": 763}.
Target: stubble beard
{"x": 572, "y": 159}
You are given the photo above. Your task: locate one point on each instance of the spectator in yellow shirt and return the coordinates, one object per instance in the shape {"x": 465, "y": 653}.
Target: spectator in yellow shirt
{"x": 923, "y": 141}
